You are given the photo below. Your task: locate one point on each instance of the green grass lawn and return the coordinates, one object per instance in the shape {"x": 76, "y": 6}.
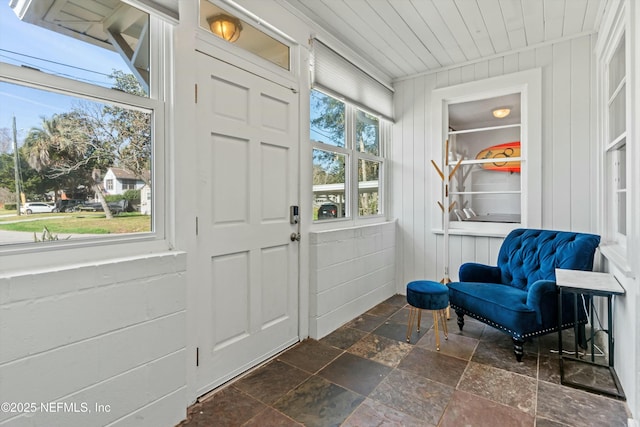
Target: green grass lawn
{"x": 78, "y": 223}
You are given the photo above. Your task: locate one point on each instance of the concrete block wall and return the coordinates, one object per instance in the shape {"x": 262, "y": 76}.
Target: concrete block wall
{"x": 94, "y": 345}
{"x": 351, "y": 270}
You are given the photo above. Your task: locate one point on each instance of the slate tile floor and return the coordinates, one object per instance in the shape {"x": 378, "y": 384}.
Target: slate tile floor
{"x": 365, "y": 374}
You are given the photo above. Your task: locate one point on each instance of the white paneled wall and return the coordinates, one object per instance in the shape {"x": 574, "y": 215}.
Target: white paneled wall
{"x": 351, "y": 270}
{"x": 110, "y": 334}
{"x": 568, "y": 164}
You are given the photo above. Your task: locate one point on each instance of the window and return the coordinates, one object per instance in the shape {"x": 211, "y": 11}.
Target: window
{"x": 82, "y": 103}
{"x": 616, "y": 146}
{"x": 348, "y": 159}
{"x": 614, "y": 133}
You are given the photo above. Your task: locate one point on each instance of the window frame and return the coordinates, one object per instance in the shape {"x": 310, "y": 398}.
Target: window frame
{"x": 616, "y": 247}
{"x": 353, "y": 157}
{"x": 160, "y": 83}
{"x": 528, "y": 84}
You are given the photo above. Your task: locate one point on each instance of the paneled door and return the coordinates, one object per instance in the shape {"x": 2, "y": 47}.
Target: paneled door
{"x": 247, "y": 170}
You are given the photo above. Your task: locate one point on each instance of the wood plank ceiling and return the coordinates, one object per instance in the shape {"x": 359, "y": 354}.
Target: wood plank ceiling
{"x": 402, "y": 38}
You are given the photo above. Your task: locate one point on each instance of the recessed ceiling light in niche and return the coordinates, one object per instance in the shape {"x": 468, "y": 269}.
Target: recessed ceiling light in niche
{"x": 501, "y": 113}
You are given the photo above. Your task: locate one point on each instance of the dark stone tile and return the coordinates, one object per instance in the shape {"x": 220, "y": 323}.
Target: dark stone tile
{"x": 498, "y": 385}
{"x": 398, "y": 331}
{"x": 466, "y": 409}
{"x": 498, "y": 352}
{"x": 414, "y": 395}
{"x": 589, "y": 374}
{"x": 310, "y": 355}
{"x": 472, "y": 327}
{"x": 343, "y": 337}
{"x": 228, "y": 407}
{"x": 543, "y": 422}
{"x": 381, "y": 349}
{"x": 366, "y": 322}
{"x": 400, "y": 316}
{"x": 549, "y": 367}
{"x": 455, "y": 345}
{"x": 271, "y": 381}
{"x": 355, "y": 373}
{"x": 434, "y": 366}
{"x": 384, "y": 310}
{"x": 319, "y": 403}
{"x": 397, "y": 300}
{"x": 579, "y": 408}
{"x": 272, "y": 418}
{"x": 372, "y": 413}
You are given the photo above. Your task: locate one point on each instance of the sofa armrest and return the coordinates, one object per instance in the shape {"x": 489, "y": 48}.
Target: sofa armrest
{"x": 541, "y": 297}
{"x": 474, "y": 272}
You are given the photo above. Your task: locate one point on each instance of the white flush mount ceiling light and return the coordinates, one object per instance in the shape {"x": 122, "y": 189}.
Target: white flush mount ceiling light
{"x": 501, "y": 113}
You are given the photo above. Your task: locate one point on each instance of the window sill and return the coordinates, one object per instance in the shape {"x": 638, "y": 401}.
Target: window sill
{"x": 483, "y": 230}
{"x": 67, "y": 253}
{"x": 346, "y": 223}
{"x": 616, "y": 255}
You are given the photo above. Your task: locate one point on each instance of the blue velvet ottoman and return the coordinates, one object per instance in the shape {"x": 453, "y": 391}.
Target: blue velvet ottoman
{"x": 427, "y": 295}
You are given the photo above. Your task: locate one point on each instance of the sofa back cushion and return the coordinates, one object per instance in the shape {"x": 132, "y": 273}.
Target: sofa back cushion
{"x": 528, "y": 255}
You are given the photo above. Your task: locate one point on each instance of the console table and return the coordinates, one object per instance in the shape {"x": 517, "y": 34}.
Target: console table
{"x": 591, "y": 284}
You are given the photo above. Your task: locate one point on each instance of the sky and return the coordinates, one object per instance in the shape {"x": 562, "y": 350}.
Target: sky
{"x": 82, "y": 61}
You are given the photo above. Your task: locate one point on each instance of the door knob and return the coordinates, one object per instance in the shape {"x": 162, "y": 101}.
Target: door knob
{"x": 295, "y": 237}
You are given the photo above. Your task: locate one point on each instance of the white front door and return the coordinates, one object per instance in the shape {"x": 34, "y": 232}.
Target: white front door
{"x": 247, "y": 169}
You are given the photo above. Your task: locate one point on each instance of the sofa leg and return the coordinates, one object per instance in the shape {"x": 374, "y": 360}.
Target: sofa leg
{"x": 460, "y": 319}
{"x": 517, "y": 348}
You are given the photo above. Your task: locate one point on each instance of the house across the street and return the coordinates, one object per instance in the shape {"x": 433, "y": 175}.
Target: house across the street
{"x": 118, "y": 180}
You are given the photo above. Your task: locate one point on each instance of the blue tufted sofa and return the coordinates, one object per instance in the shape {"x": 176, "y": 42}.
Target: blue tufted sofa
{"x": 519, "y": 295}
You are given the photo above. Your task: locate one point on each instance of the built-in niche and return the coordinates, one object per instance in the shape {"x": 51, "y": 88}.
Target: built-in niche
{"x": 489, "y": 144}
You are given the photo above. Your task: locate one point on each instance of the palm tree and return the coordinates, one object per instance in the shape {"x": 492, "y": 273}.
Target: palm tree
{"x": 59, "y": 147}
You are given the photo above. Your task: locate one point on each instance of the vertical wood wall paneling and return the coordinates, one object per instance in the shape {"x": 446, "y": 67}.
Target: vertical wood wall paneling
{"x": 544, "y": 60}
{"x": 467, "y": 73}
{"x": 397, "y": 174}
{"x": 482, "y": 70}
{"x": 496, "y": 66}
{"x": 511, "y": 64}
{"x": 558, "y": 161}
{"x": 481, "y": 250}
{"x": 594, "y": 147}
{"x": 567, "y": 106}
{"x": 408, "y": 177}
{"x": 581, "y": 164}
{"x": 526, "y": 60}
{"x": 420, "y": 168}
{"x": 432, "y": 186}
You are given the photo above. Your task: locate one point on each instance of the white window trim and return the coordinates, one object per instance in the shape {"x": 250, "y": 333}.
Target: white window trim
{"x": 529, "y": 84}
{"x": 352, "y": 216}
{"x": 26, "y": 256}
{"x": 614, "y": 247}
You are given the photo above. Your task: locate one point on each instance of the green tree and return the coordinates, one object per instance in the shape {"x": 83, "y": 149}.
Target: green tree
{"x": 328, "y": 124}
{"x": 80, "y": 146}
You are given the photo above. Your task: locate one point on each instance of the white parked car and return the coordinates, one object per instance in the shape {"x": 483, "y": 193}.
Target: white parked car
{"x": 37, "y": 207}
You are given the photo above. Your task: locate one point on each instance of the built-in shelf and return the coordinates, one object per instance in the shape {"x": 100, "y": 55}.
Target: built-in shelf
{"x": 459, "y": 132}
{"x": 491, "y": 160}
{"x": 483, "y": 192}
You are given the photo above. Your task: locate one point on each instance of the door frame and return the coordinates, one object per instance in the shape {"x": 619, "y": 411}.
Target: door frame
{"x": 209, "y": 46}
